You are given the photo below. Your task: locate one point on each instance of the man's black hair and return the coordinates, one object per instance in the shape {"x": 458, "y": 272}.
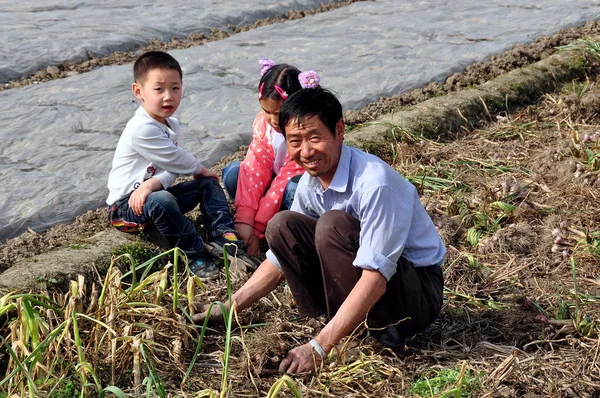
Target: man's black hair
{"x": 310, "y": 102}
{"x": 154, "y": 60}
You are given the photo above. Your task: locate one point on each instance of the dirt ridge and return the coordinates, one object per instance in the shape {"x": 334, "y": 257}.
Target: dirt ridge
{"x": 475, "y": 74}
{"x": 445, "y": 116}
{"x": 549, "y": 72}
{"x": 440, "y": 116}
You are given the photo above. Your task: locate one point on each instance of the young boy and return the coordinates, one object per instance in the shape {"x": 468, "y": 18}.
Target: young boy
{"x": 148, "y": 159}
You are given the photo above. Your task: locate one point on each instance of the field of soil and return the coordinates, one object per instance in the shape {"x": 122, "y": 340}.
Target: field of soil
{"x": 516, "y": 204}
{"x": 32, "y": 243}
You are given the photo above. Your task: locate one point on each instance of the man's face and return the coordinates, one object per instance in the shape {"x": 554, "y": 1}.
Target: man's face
{"x": 314, "y": 147}
{"x": 160, "y": 93}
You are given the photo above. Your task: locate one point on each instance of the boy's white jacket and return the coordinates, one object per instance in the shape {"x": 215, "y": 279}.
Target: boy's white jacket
{"x": 148, "y": 148}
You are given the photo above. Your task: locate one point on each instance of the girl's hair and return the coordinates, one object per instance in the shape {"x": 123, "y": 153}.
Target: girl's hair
{"x": 284, "y": 76}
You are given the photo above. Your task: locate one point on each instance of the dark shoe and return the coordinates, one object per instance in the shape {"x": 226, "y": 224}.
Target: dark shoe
{"x": 250, "y": 263}
{"x": 235, "y": 250}
{"x": 390, "y": 338}
{"x": 230, "y": 242}
{"x": 205, "y": 268}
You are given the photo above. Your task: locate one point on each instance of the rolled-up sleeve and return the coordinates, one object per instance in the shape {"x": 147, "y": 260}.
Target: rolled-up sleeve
{"x": 272, "y": 258}
{"x": 367, "y": 258}
{"x": 385, "y": 223}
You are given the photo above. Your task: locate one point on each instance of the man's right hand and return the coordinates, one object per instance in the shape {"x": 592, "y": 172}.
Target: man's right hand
{"x": 215, "y": 317}
{"x": 263, "y": 281}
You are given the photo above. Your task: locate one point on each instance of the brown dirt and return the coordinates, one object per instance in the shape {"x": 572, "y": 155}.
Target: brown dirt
{"x": 539, "y": 161}
{"x": 31, "y": 243}
{"x": 515, "y": 312}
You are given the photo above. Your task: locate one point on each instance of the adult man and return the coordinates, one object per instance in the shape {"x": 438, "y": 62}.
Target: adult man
{"x": 356, "y": 243}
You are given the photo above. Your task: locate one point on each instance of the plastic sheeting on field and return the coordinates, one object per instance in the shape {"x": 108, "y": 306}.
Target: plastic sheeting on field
{"x": 58, "y": 138}
{"x": 36, "y": 34}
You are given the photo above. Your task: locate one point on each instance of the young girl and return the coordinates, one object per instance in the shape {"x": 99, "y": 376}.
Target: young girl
{"x": 265, "y": 182}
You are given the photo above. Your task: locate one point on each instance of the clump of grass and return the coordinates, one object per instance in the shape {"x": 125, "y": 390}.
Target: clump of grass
{"x": 485, "y": 221}
{"x": 433, "y": 183}
{"x": 447, "y": 383}
{"x": 87, "y": 338}
{"x": 138, "y": 251}
{"x": 577, "y": 88}
{"x": 587, "y": 45}
{"x": 64, "y": 389}
{"x": 594, "y": 244}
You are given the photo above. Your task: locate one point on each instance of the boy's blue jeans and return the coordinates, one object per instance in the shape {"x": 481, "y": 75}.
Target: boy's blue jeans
{"x": 165, "y": 210}
{"x": 230, "y": 178}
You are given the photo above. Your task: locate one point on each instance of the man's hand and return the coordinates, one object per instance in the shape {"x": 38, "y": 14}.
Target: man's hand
{"x": 215, "y": 318}
{"x": 138, "y": 198}
{"x": 300, "y": 360}
{"x": 246, "y": 233}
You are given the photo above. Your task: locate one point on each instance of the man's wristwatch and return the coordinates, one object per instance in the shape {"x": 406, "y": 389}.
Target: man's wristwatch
{"x": 318, "y": 348}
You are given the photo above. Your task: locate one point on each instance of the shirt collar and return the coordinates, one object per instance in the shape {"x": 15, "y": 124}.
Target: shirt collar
{"x": 145, "y": 114}
{"x": 339, "y": 182}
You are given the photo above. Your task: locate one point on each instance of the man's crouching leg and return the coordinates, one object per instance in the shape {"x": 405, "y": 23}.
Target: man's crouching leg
{"x": 413, "y": 296}
{"x": 291, "y": 237}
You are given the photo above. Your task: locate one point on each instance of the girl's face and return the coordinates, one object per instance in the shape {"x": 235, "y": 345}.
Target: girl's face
{"x": 270, "y": 108}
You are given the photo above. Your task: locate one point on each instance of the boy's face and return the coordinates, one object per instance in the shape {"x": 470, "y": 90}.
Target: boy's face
{"x": 160, "y": 93}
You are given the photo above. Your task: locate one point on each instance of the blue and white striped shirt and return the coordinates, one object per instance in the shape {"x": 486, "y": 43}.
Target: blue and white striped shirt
{"x": 393, "y": 222}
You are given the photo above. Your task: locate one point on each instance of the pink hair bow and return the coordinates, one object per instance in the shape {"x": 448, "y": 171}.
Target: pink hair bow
{"x": 309, "y": 79}
{"x": 265, "y": 65}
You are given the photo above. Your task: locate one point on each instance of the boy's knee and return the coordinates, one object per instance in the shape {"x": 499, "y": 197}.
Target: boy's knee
{"x": 161, "y": 200}
{"x": 210, "y": 184}
{"x": 201, "y": 182}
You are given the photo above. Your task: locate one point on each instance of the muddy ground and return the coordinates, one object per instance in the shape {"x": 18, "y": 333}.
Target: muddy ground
{"x": 516, "y": 204}
{"x": 86, "y": 225}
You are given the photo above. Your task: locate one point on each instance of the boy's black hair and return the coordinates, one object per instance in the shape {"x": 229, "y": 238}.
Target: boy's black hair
{"x": 154, "y": 60}
{"x": 310, "y": 102}
{"x": 283, "y": 75}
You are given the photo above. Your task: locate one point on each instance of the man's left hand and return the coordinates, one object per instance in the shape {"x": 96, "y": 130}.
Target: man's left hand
{"x": 300, "y": 360}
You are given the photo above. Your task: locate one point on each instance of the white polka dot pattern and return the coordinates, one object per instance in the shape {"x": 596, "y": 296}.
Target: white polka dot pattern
{"x": 253, "y": 205}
